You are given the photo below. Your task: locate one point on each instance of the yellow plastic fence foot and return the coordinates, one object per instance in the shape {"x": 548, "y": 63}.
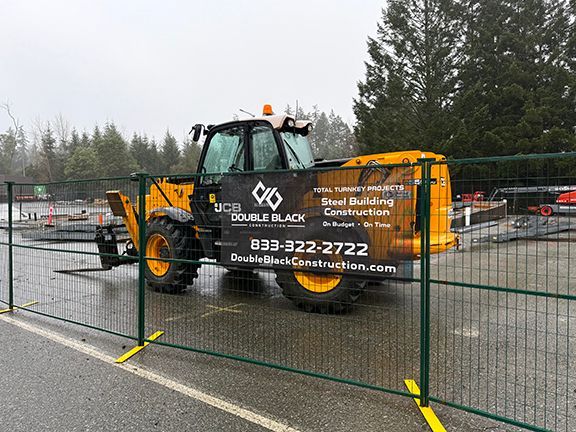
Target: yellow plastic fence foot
{"x": 427, "y": 412}
{"x": 137, "y": 349}
{"x": 18, "y": 307}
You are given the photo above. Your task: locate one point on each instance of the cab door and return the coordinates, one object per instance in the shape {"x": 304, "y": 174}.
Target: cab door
{"x": 225, "y": 150}
{"x": 266, "y": 152}
{"x": 237, "y": 147}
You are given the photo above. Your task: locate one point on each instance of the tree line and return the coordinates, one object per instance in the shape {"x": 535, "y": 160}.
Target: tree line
{"x": 331, "y": 136}
{"x": 470, "y": 78}
{"x": 54, "y": 151}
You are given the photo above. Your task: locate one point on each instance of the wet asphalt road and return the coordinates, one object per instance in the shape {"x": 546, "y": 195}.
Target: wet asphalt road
{"x": 503, "y": 352}
{"x": 47, "y": 387}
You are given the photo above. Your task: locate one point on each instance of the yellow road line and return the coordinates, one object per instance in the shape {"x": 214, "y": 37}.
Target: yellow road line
{"x": 427, "y": 412}
{"x": 222, "y": 309}
{"x": 137, "y": 349}
{"x": 18, "y": 307}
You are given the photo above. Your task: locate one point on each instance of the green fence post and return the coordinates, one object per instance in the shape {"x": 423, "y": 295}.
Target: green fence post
{"x": 141, "y": 177}
{"x": 10, "y": 193}
{"x": 426, "y": 170}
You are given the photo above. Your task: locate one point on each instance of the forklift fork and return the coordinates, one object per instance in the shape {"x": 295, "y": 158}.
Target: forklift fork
{"x": 108, "y": 250}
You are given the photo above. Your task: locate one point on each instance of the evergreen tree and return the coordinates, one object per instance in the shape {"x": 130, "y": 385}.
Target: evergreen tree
{"x": 82, "y": 164}
{"x": 514, "y": 96}
{"x": 75, "y": 141}
{"x": 170, "y": 154}
{"x": 85, "y": 140}
{"x": 404, "y": 101}
{"x": 340, "y": 139}
{"x": 47, "y": 168}
{"x": 22, "y": 156}
{"x": 312, "y": 115}
{"x": 319, "y": 137}
{"x": 96, "y": 142}
{"x": 144, "y": 153}
{"x": 155, "y": 164}
{"x": 8, "y": 145}
{"x": 13, "y": 151}
{"x": 190, "y": 157}
{"x": 111, "y": 149}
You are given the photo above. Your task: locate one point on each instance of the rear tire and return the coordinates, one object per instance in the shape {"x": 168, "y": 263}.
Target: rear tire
{"x": 339, "y": 299}
{"x": 546, "y": 211}
{"x": 326, "y": 293}
{"x": 167, "y": 238}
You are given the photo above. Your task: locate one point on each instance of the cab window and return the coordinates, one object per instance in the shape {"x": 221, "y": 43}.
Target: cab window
{"x": 298, "y": 150}
{"x": 225, "y": 151}
{"x": 264, "y": 149}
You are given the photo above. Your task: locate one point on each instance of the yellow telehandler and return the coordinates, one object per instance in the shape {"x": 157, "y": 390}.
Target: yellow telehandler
{"x": 260, "y": 200}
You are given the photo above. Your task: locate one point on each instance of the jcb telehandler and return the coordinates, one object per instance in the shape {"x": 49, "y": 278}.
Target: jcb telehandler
{"x": 342, "y": 207}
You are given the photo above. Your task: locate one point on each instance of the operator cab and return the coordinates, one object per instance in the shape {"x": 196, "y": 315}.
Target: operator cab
{"x": 267, "y": 143}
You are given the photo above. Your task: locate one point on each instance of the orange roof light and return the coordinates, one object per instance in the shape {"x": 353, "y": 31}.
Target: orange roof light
{"x": 267, "y": 110}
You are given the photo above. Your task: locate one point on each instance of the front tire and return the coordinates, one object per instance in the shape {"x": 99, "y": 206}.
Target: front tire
{"x": 167, "y": 238}
{"x": 326, "y": 293}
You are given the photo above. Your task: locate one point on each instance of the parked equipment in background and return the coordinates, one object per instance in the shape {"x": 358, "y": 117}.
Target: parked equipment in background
{"x": 471, "y": 197}
{"x": 184, "y": 216}
{"x": 529, "y": 228}
{"x": 474, "y": 209}
{"x": 565, "y": 204}
{"x": 507, "y": 191}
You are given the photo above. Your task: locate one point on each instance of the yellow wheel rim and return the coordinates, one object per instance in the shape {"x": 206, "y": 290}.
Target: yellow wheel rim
{"x": 318, "y": 283}
{"x": 158, "y": 247}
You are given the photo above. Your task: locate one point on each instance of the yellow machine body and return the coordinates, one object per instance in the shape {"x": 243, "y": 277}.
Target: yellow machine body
{"x": 401, "y": 240}
{"x": 441, "y": 238}
{"x": 177, "y": 194}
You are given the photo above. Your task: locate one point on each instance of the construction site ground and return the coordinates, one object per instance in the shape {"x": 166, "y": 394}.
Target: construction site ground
{"x": 48, "y": 385}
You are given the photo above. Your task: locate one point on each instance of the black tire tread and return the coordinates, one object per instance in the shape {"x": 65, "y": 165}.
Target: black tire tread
{"x": 182, "y": 242}
{"x": 340, "y": 300}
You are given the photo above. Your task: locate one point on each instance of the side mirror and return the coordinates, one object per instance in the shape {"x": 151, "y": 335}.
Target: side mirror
{"x": 197, "y": 131}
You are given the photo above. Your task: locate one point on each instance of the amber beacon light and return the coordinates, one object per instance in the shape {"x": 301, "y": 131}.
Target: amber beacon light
{"x": 267, "y": 110}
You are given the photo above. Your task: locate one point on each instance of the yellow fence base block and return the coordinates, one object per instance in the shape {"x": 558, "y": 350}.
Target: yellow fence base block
{"x": 137, "y": 349}
{"x": 18, "y": 307}
{"x": 427, "y": 412}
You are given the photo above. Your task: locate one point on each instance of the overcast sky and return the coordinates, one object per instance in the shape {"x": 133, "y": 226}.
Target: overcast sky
{"x": 151, "y": 65}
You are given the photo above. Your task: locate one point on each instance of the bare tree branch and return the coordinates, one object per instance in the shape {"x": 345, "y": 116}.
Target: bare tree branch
{"x": 15, "y": 122}
{"x": 62, "y": 129}
{"x": 18, "y": 134}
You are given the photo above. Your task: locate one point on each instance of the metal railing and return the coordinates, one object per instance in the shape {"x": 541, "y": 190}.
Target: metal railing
{"x": 485, "y": 325}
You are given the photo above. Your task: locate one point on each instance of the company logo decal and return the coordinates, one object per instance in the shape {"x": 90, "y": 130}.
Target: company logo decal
{"x": 267, "y": 195}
